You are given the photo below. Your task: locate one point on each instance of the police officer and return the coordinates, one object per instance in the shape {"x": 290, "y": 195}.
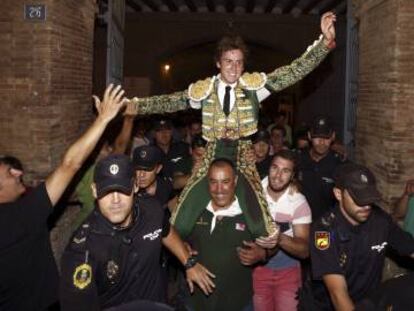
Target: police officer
{"x": 172, "y": 151}
{"x": 317, "y": 165}
{"x": 147, "y": 162}
{"x": 350, "y": 242}
{"x": 184, "y": 167}
{"x": 114, "y": 257}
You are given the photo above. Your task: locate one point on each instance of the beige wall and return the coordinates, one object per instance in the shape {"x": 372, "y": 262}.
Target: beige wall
{"x": 385, "y": 114}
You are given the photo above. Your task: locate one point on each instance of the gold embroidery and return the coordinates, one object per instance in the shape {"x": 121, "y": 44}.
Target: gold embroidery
{"x": 201, "y": 89}
{"x": 253, "y": 81}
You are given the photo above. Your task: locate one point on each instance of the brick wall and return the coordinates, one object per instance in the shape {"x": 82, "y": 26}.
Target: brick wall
{"x": 385, "y": 114}
{"x": 45, "y": 81}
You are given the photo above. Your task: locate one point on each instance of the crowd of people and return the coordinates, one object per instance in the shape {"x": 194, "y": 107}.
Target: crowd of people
{"x": 225, "y": 212}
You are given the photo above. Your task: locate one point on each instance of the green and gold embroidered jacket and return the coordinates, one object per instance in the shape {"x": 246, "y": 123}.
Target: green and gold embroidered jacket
{"x": 242, "y": 120}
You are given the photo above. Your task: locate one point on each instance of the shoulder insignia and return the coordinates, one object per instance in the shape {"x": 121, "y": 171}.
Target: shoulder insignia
{"x": 253, "y": 81}
{"x": 328, "y": 220}
{"x": 82, "y": 276}
{"x": 81, "y": 235}
{"x": 342, "y": 259}
{"x": 79, "y": 240}
{"x": 322, "y": 240}
{"x": 201, "y": 89}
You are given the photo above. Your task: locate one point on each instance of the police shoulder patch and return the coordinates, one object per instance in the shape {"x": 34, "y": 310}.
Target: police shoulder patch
{"x": 322, "y": 240}
{"x": 82, "y": 276}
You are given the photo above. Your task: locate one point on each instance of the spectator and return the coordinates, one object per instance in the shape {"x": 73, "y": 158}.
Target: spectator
{"x": 261, "y": 147}
{"x": 404, "y": 208}
{"x": 281, "y": 120}
{"x": 223, "y": 240}
{"x": 16, "y": 167}
{"x": 193, "y": 129}
{"x": 139, "y": 139}
{"x": 276, "y": 283}
{"x": 29, "y": 275}
{"x": 277, "y": 139}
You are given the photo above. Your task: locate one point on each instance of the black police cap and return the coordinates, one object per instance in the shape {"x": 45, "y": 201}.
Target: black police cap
{"x": 321, "y": 127}
{"x": 146, "y": 157}
{"x": 114, "y": 173}
{"x": 359, "y": 181}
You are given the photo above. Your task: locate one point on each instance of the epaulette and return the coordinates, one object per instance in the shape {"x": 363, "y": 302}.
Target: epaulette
{"x": 79, "y": 238}
{"x": 328, "y": 220}
{"x": 253, "y": 81}
{"x": 201, "y": 89}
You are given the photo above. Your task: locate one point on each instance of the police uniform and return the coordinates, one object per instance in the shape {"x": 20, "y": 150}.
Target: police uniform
{"x": 347, "y": 243}
{"x": 394, "y": 294}
{"x": 176, "y": 152}
{"x": 147, "y": 158}
{"x": 163, "y": 193}
{"x": 104, "y": 266}
{"x": 316, "y": 179}
{"x": 356, "y": 252}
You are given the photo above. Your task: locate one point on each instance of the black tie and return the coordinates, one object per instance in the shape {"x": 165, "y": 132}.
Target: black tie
{"x": 226, "y": 102}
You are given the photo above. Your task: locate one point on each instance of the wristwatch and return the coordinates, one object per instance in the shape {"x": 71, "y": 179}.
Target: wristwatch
{"x": 191, "y": 262}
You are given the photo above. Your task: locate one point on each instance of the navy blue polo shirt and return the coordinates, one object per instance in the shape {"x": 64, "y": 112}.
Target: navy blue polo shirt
{"x": 316, "y": 180}
{"x": 356, "y": 252}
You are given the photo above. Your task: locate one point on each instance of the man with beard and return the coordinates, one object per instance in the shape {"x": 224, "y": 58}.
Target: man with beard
{"x": 350, "y": 243}
{"x": 317, "y": 165}
{"x": 275, "y": 284}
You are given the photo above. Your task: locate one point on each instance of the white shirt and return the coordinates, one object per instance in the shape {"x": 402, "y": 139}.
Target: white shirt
{"x": 231, "y": 211}
{"x": 291, "y": 207}
{"x": 261, "y": 94}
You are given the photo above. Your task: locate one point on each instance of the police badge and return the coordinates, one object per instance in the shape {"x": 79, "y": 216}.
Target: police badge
{"x": 82, "y": 276}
